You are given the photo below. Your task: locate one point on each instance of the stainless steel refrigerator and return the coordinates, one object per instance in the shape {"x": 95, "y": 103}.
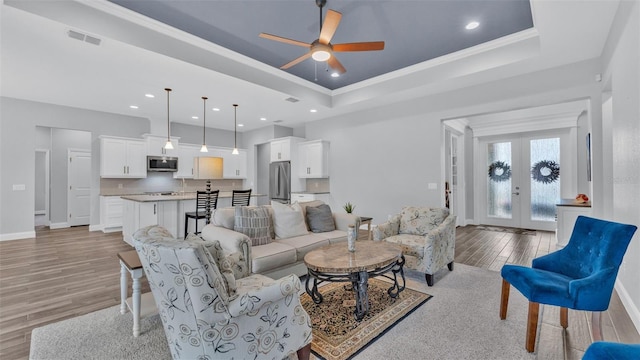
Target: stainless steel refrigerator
{"x": 280, "y": 181}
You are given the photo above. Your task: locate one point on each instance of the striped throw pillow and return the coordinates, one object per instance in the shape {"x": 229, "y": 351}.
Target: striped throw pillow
{"x": 253, "y": 222}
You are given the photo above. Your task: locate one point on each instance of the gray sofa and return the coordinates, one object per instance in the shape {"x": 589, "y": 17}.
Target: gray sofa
{"x": 281, "y": 256}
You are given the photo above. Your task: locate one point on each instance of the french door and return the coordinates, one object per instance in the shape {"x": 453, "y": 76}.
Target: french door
{"x": 521, "y": 182}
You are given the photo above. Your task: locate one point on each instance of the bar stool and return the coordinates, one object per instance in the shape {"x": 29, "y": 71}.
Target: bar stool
{"x": 204, "y": 201}
{"x": 240, "y": 197}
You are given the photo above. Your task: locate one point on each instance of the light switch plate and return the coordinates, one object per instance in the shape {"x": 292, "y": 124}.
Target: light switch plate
{"x": 433, "y": 186}
{"x": 19, "y": 187}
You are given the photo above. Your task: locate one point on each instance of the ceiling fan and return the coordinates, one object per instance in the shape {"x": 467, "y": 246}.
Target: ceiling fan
{"x": 322, "y": 49}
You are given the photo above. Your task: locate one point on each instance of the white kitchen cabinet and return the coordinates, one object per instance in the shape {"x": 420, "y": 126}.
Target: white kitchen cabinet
{"x": 186, "y": 153}
{"x": 111, "y": 213}
{"x": 314, "y": 159}
{"x": 155, "y": 145}
{"x": 137, "y": 215}
{"x": 568, "y": 211}
{"x": 233, "y": 166}
{"x": 284, "y": 149}
{"x": 123, "y": 158}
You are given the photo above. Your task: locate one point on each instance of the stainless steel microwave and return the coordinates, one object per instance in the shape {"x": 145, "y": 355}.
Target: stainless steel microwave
{"x": 162, "y": 163}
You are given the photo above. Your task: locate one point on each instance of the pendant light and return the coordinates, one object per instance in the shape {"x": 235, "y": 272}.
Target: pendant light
{"x": 235, "y": 131}
{"x": 204, "y": 125}
{"x": 168, "y": 145}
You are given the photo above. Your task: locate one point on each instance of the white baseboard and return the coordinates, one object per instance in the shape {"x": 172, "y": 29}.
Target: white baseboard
{"x": 17, "y": 236}
{"x": 632, "y": 309}
{"x": 61, "y": 225}
{"x": 469, "y": 222}
{"x": 41, "y": 212}
{"x": 98, "y": 227}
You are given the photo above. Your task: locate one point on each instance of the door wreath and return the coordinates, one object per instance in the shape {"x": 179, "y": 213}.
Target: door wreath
{"x": 499, "y": 171}
{"x": 545, "y": 171}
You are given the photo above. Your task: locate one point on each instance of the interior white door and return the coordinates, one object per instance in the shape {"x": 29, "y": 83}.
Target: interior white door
{"x": 79, "y": 180}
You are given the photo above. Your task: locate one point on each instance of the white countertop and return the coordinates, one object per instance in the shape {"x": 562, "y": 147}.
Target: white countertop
{"x": 179, "y": 196}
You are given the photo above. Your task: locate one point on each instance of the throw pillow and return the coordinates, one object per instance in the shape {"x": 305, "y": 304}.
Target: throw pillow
{"x": 305, "y": 204}
{"x": 224, "y": 263}
{"x": 253, "y": 222}
{"x": 320, "y": 218}
{"x": 288, "y": 220}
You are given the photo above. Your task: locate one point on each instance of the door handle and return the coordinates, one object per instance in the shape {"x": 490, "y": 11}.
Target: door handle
{"x": 516, "y": 193}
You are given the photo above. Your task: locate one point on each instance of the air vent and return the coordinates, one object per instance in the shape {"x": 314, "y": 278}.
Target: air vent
{"x": 291, "y": 99}
{"x": 277, "y": 121}
{"x": 84, "y": 37}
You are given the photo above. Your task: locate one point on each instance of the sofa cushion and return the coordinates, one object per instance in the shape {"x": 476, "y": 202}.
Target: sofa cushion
{"x": 333, "y": 236}
{"x": 412, "y": 245}
{"x": 224, "y": 217}
{"x": 305, "y": 243}
{"x": 288, "y": 220}
{"x": 320, "y": 218}
{"x": 272, "y": 256}
{"x": 421, "y": 220}
{"x": 304, "y": 205}
{"x": 253, "y": 222}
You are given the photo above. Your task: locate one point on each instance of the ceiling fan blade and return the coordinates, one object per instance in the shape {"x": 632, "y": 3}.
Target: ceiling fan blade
{"x": 329, "y": 26}
{"x": 359, "y": 46}
{"x": 336, "y": 65}
{"x": 295, "y": 61}
{"x": 284, "y": 40}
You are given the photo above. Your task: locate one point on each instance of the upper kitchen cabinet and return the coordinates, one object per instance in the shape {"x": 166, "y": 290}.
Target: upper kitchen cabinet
{"x": 233, "y": 166}
{"x": 186, "y": 153}
{"x": 122, "y": 158}
{"x": 314, "y": 159}
{"x": 155, "y": 145}
{"x": 283, "y": 148}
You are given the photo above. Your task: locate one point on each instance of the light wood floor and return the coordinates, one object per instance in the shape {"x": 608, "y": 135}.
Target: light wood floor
{"x": 69, "y": 272}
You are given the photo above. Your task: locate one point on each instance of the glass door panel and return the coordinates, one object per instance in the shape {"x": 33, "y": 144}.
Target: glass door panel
{"x": 499, "y": 199}
{"x": 545, "y": 178}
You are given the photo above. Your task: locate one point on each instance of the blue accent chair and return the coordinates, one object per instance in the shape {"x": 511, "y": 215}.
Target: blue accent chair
{"x": 603, "y": 350}
{"x": 580, "y": 276}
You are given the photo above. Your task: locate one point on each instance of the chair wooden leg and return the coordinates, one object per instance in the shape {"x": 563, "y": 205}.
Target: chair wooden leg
{"x": 596, "y": 326}
{"x": 564, "y": 317}
{"x": 304, "y": 353}
{"x": 450, "y": 266}
{"x": 429, "y": 279}
{"x": 532, "y": 326}
{"x": 504, "y": 299}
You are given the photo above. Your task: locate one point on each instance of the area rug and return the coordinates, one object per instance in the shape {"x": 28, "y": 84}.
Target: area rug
{"x": 460, "y": 322}
{"x": 506, "y": 229}
{"x": 336, "y": 332}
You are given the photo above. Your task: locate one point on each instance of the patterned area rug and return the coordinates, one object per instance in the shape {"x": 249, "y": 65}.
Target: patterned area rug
{"x": 337, "y": 334}
{"x": 506, "y": 229}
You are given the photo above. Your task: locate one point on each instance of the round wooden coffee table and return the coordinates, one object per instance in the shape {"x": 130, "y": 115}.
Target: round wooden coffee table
{"x": 337, "y": 264}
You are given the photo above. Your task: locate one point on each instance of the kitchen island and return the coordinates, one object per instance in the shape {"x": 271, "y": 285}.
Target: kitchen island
{"x": 166, "y": 210}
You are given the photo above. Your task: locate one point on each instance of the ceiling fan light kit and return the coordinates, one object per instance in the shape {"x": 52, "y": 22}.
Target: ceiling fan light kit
{"x": 321, "y": 49}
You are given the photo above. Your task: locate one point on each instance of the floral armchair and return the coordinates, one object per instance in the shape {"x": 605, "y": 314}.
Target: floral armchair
{"x": 427, "y": 237}
{"x": 212, "y": 307}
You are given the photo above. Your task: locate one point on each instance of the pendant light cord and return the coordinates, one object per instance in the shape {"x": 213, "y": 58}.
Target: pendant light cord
{"x": 235, "y": 126}
{"x": 168, "y": 127}
{"x": 204, "y": 119}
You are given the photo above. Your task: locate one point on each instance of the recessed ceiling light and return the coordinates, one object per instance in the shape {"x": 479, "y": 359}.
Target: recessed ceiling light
{"x": 263, "y": 118}
{"x": 472, "y": 25}
{"x": 215, "y": 109}
{"x": 194, "y": 117}
{"x": 133, "y": 106}
{"x": 335, "y": 74}
{"x": 313, "y": 110}
{"x": 240, "y": 125}
{"x": 150, "y": 95}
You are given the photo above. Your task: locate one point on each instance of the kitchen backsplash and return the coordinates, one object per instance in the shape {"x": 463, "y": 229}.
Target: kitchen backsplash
{"x": 161, "y": 182}
{"x": 318, "y": 185}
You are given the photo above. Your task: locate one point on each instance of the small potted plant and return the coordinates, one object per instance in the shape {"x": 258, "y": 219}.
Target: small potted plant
{"x": 348, "y": 207}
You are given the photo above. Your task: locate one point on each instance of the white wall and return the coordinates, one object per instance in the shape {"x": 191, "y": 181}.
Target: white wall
{"x": 18, "y": 121}
{"x": 622, "y": 75}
